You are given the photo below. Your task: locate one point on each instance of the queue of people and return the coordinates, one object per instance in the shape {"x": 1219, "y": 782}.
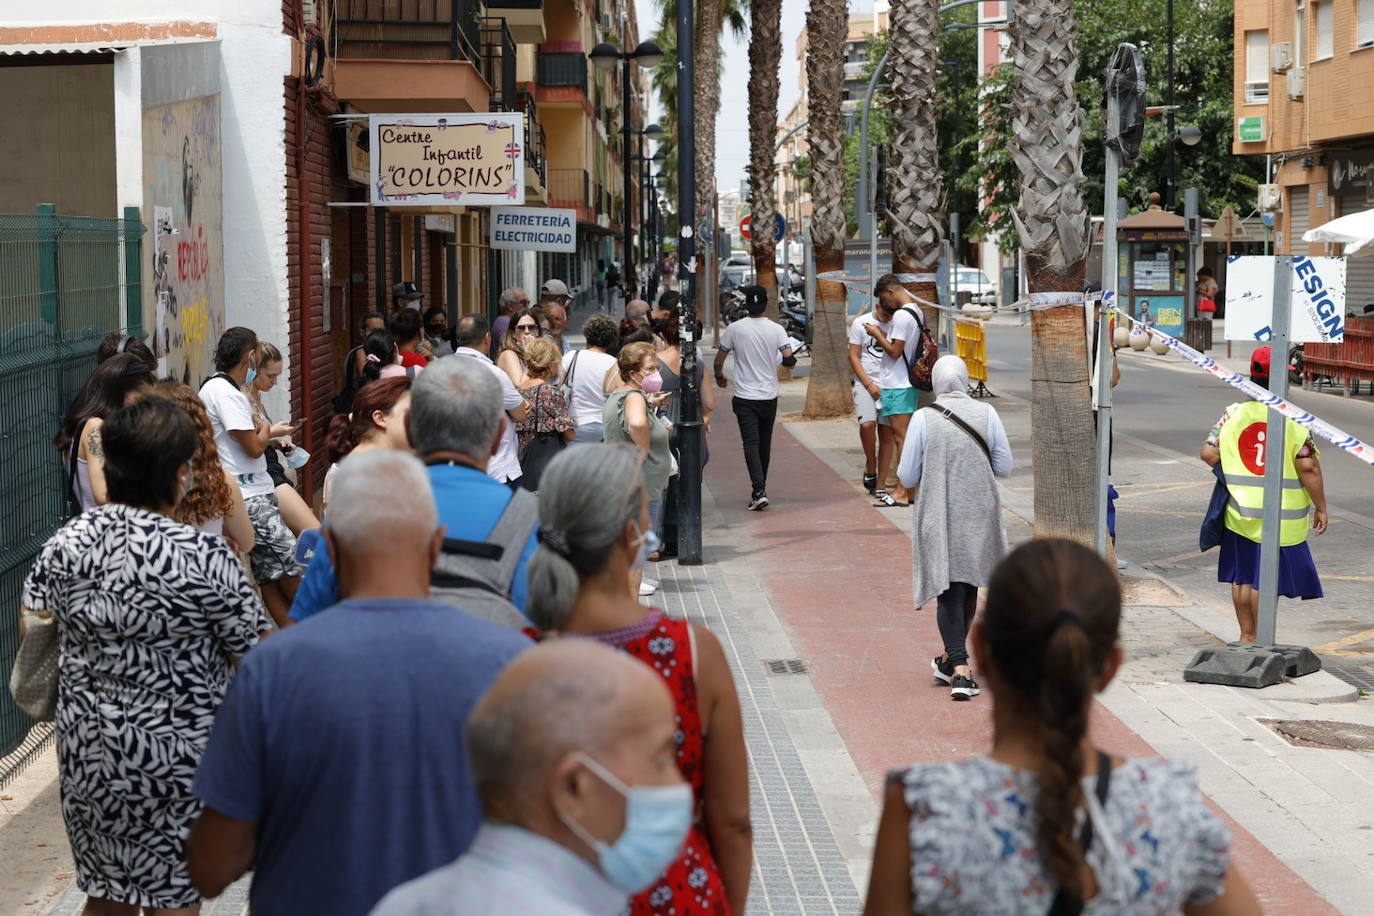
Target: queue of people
{"x": 578, "y": 752}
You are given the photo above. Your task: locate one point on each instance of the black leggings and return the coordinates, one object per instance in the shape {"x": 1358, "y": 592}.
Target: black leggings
{"x": 954, "y": 615}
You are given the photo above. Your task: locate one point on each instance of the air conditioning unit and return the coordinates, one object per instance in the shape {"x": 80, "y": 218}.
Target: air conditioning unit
{"x": 1270, "y": 198}
{"x": 1296, "y": 79}
{"x": 607, "y": 21}
{"x": 1281, "y": 56}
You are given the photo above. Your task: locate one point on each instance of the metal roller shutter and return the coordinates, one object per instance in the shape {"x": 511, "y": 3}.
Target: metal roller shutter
{"x": 1299, "y": 219}
{"x": 1359, "y": 283}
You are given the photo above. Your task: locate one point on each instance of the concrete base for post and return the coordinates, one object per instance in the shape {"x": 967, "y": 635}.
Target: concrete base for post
{"x": 1247, "y": 665}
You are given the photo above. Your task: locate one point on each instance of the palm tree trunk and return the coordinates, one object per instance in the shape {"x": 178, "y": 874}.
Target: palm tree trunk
{"x": 916, "y": 207}
{"x": 765, "y": 57}
{"x": 828, "y": 389}
{"x": 1052, "y": 221}
{"x": 706, "y": 103}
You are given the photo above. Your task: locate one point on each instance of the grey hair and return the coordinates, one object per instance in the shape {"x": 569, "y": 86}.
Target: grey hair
{"x": 514, "y": 736}
{"x": 586, "y": 495}
{"x": 508, "y": 296}
{"x": 455, "y": 406}
{"x": 381, "y": 497}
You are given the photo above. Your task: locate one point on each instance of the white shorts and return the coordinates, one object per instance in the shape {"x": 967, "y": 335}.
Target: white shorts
{"x": 868, "y": 409}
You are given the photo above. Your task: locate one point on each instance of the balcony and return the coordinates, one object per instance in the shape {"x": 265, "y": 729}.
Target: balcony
{"x": 572, "y": 189}
{"x": 498, "y": 63}
{"x": 536, "y": 152}
{"x": 563, "y": 69}
{"x": 411, "y": 55}
{"x": 524, "y": 18}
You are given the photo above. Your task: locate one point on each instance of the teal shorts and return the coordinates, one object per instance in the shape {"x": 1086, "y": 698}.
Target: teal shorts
{"x": 898, "y": 401}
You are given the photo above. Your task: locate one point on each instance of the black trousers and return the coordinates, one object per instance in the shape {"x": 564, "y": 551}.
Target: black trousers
{"x": 756, "y": 431}
{"x": 954, "y": 612}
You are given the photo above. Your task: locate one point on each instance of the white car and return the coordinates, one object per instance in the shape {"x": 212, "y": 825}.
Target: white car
{"x": 980, "y": 288}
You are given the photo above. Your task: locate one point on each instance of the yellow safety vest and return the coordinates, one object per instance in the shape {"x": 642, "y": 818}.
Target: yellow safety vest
{"x": 1243, "y": 453}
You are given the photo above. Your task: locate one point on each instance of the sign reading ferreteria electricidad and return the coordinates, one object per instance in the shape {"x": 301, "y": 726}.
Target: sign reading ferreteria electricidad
{"x": 533, "y": 229}
{"x": 455, "y": 159}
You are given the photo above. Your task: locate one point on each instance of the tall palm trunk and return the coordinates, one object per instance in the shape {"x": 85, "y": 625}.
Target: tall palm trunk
{"x": 916, "y": 207}
{"x": 706, "y": 102}
{"x": 765, "y": 56}
{"x": 1052, "y": 221}
{"x": 828, "y": 390}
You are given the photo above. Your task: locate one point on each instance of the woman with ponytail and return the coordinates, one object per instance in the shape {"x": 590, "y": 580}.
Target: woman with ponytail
{"x": 595, "y": 531}
{"x": 1047, "y": 822}
{"x": 382, "y": 358}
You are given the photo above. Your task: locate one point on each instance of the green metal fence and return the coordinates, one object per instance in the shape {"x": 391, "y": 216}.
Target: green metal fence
{"x": 60, "y": 293}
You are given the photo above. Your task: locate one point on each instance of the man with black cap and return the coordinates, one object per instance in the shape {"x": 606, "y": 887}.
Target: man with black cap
{"x": 759, "y": 346}
{"x": 406, "y": 295}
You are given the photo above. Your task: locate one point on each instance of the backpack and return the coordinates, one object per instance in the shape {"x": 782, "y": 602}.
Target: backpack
{"x": 343, "y": 401}
{"x": 918, "y": 370}
{"x": 476, "y": 576}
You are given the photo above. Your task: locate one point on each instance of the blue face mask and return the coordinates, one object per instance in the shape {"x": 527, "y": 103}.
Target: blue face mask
{"x": 252, "y": 374}
{"x": 647, "y": 543}
{"x": 657, "y": 819}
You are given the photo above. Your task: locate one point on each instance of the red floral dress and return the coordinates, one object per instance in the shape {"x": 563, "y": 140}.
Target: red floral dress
{"x": 692, "y": 884}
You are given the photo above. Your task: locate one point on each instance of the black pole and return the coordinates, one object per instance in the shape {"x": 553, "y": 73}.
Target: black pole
{"x": 1169, "y": 115}
{"x": 689, "y": 429}
{"x": 626, "y": 210}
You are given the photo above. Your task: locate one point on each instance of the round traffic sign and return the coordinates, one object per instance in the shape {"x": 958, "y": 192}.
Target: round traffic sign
{"x": 779, "y": 227}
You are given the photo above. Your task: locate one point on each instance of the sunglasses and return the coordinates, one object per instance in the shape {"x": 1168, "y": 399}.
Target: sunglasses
{"x": 527, "y": 327}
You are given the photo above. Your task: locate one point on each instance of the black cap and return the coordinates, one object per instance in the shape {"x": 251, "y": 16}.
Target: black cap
{"x": 755, "y": 299}
{"x": 406, "y": 290}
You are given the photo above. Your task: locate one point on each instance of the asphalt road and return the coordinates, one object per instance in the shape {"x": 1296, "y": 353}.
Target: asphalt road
{"x": 1163, "y": 410}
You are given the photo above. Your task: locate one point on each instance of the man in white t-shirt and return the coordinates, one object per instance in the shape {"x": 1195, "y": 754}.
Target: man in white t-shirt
{"x": 474, "y": 342}
{"x": 242, "y": 439}
{"x": 759, "y": 346}
{"x": 898, "y": 335}
{"x": 865, "y": 359}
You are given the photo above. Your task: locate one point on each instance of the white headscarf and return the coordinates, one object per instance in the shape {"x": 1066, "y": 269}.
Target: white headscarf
{"x": 949, "y": 376}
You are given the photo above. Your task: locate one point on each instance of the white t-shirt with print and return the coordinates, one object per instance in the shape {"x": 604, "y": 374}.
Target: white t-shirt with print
{"x": 505, "y": 464}
{"x": 893, "y": 373}
{"x": 870, "y": 354}
{"x": 587, "y": 369}
{"x": 757, "y": 345}
{"x": 229, "y": 410}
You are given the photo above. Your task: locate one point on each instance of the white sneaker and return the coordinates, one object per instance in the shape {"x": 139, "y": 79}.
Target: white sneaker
{"x": 648, "y": 587}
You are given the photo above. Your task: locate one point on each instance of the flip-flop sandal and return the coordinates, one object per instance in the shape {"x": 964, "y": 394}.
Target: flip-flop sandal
{"x": 885, "y": 501}
{"x": 870, "y": 482}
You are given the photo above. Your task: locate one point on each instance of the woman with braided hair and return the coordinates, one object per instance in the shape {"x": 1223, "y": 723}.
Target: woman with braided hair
{"x": 1047, "y": 822}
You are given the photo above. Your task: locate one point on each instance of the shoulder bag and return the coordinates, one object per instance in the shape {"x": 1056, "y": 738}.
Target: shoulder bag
{"x": 566, "y": 387}
{"x": 33, "y": 680}
{"x": 918, "y": 370}
{"x": 1070, "y": 904}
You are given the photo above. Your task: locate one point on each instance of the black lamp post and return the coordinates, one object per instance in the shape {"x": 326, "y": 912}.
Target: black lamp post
{"x": 652, "y": 132}
{"x": 604, "y": 56}
{"x": 689, "y": 429}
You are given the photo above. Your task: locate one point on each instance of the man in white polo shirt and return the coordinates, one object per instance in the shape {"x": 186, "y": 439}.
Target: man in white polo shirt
{"x": 759, "y": 346}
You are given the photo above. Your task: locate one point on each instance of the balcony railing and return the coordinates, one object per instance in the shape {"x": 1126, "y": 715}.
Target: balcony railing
{"x": 569, "y": 187}
{"x": 536, "y": 148}
{"x": 515, "y": 4}
{"x": 410, "y": 29}
{"x": 563, "y": 69}
{"x": 498, "y": 63}
{"x": 1256, "y": 93}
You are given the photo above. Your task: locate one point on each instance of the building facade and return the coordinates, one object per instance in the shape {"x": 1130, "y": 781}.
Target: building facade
{"x": 1304, "y": 95}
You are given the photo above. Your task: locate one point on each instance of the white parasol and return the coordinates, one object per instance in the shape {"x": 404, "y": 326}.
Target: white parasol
{"x": 1354, "y": 230}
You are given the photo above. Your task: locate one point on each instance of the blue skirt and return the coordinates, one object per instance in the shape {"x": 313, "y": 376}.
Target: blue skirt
{"x": 1240, "y": 565}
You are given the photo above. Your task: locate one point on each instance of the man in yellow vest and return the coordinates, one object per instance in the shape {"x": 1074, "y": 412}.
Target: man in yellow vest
{"x": 1239, "y": 444}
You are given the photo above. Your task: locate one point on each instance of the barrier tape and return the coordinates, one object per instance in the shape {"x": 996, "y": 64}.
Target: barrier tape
{"x": 1309, "y": 421}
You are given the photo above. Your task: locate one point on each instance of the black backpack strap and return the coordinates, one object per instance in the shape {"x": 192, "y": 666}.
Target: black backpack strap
{"x": 447, "y": 580}
{"x": 1067, "y": 903}
{"x": 479, "y": 549}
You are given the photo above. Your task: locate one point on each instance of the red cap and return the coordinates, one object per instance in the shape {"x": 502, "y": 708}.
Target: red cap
{"x": 1259, "y": 362}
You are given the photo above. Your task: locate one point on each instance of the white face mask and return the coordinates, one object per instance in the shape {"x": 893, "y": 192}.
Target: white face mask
{"x": 645, "y": 543}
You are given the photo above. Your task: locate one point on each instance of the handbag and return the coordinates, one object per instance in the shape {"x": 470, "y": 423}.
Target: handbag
{"x": 1214, "y": 522}
{"x": 566, "y": 387}
{"x": 918, "y": 370}
{"x": 1206, "y": 305}
{"x": 33, "y": 680}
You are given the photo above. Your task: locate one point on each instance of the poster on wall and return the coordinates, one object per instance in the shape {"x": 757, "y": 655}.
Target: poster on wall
{"x": 184, "y": 262}
{"x": 534, "y": 229}
{"x": 1317, "y": 308}
{"x": 456, "y": 159}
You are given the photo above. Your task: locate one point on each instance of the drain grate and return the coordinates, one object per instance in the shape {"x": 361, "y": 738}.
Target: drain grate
{"x": 1354, "y": 673}
{"x": 784, "y": 666}
{"x": 1342, "y": 736}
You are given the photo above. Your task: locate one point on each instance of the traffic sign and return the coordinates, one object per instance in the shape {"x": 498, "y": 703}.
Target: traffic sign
{"x": 1228, "y": 226}
{"x": 779, "y": 227}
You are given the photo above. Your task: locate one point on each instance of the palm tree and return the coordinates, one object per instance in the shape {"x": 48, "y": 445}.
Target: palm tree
{"x": 828, "y": 389}
{"x": 765, "y": 56}
{"x": 916, "y": 199}
{"x": 1052, "y": 221}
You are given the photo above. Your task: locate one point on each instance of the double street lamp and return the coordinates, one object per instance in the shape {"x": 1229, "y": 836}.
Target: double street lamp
{"x": 647, "y": 55}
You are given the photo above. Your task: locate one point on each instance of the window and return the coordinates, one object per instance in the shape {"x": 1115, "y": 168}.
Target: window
{"x": 1323, "y": 11}
{"x": 1257, "y": 64}
{"x": 1364, "y": 23}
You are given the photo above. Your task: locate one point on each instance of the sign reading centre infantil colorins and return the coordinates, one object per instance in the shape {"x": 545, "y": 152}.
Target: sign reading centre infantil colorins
{"x": 533, "y": 229}
{"x": 457, "y": 159}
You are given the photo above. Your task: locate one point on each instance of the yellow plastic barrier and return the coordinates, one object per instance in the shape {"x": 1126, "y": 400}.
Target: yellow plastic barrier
{"x": 971, "y": 345}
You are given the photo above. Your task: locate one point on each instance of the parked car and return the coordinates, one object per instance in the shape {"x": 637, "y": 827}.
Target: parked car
{"x": 973, "y": 287}
{"x": 736, "y": 270}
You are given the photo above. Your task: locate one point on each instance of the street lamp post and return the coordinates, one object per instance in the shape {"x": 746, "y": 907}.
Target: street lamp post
{"x": 652, "y": 132}
{"x": 604, "y": 56}
{"x": 689, "y": 429}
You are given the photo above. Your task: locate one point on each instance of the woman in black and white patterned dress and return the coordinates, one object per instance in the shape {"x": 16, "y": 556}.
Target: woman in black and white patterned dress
{"x": 151, "y": 615}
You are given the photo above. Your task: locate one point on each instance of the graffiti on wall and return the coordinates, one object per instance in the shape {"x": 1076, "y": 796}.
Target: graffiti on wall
{"x": 185, "y": 263}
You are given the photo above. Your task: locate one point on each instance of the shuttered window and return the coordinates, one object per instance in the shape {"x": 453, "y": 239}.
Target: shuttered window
{"x": 1257, "y": 63}
{"x": 1364, "y": 23}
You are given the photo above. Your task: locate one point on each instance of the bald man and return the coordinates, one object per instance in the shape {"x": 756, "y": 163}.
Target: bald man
{"x": 637, "y": 310}
{"x": 336, "y": 768}
{"x": 568, "y": 731}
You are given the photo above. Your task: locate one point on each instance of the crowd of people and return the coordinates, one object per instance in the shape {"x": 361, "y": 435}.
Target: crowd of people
{"x": 450, "y": 698}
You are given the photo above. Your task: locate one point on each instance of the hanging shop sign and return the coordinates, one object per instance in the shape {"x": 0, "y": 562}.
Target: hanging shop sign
{"x": 533, "y": 229}
{"x": 447, "y": 160}
{"x": 1317, "y": 309}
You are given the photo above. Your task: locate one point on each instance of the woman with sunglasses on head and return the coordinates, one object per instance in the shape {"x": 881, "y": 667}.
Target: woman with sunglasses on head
{"x": 1047, "y": 822}
{"x": 118, "y": 381}
{"x": 524, "y": 326}
{"x": 294, "y": 509}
